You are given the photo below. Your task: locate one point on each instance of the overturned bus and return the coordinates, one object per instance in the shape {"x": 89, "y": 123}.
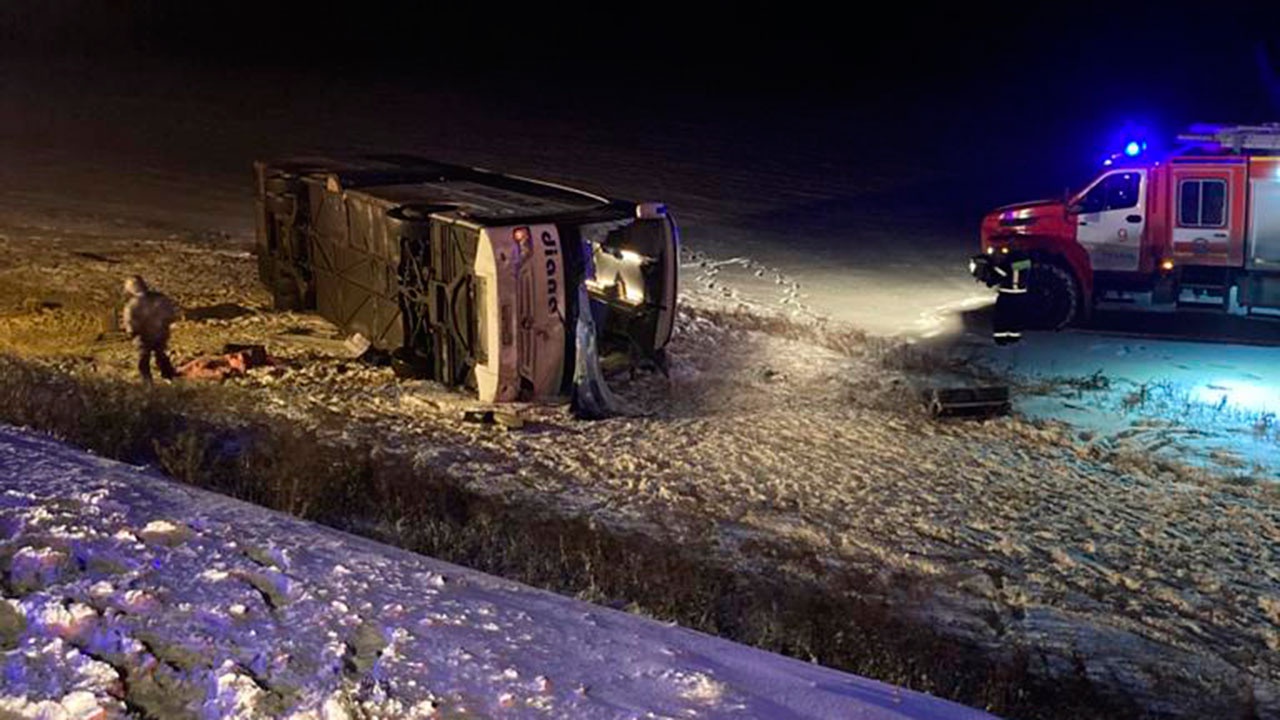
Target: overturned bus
{"x": 472, "y": 278}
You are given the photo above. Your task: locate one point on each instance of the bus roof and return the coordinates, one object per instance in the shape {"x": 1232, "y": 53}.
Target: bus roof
{"x": 476, "y": 195}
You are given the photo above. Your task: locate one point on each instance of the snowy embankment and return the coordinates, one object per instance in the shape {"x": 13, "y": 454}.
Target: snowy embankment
{"x": 128, "y": 594}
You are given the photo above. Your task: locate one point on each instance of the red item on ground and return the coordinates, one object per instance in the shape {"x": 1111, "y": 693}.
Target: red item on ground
{"x": 221, "y": 367}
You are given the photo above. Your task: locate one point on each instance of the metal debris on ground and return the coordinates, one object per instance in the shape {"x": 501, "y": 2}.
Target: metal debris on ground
{"x": 984, "y": 401}
{"x": 357, "y": 345}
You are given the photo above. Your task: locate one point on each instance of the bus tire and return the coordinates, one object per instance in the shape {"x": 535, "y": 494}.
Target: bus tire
{"x": 288, "y": 293}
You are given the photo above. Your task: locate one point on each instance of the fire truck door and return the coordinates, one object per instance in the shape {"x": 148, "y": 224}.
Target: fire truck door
{"x": 1110, "y": 219}
{"x": 1208, "y": 224}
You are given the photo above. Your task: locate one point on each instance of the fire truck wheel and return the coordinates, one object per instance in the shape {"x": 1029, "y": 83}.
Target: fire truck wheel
{"x": 1054, "y": 297}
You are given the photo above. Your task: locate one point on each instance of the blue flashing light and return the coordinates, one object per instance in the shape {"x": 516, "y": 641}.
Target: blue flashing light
{"x": 1133, "y": 148}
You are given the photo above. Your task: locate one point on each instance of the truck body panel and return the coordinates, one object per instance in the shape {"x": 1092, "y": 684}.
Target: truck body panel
{"x": 1264, "y": 208}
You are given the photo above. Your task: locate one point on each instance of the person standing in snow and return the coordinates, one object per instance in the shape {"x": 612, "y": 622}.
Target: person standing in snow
{"x": 1011, "y": 304}
{"x": 146, "y": 318}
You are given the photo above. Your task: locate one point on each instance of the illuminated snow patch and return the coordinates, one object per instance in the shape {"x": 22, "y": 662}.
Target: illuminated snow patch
{"x": 65, "y": 621}
{"x": 1238, "y": 394}
{"x": 163, "y": 531}
{"x": 32, "y": 565}
{"x": 235, "y": 694}
{"x": 138, "y": 601}
{"x": 78, "y": 705}
{"x": 698, "y": 687}
{"x": 946, "y": 317}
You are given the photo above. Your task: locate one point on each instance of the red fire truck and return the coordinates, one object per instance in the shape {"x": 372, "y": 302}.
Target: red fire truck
{"x": 1198, "y": 228}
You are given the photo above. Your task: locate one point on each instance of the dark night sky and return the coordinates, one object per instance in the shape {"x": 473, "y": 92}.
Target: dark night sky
{"x": 1110, "y": 52}
{"x": 1043, "y": 70}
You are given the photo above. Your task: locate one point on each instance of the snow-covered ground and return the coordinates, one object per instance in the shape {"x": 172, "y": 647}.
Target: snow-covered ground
{"x": 1209, "y": 404}
{"x": 769, "y": 441}
{"x": 127, "y": 593}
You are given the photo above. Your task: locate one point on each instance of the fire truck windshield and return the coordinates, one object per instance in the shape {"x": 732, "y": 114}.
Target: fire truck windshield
{"x": 1114, "y": 191}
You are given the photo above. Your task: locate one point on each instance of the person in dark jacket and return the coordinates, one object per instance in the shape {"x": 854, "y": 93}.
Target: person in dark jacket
{"x": 146, "y": 318}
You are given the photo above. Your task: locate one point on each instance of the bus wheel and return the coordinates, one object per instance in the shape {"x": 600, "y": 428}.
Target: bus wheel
{"x": 285, "y": 294}
{"x": 1053, "y": 296}
{"x": 290, "y": 291}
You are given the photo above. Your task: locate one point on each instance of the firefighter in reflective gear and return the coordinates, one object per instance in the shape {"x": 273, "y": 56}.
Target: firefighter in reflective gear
{"x": 146, "y": 318}
{"x": 1011, "y": 303}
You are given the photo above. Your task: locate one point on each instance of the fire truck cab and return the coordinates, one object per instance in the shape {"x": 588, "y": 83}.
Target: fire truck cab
{"x": 1199, "y": 228}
